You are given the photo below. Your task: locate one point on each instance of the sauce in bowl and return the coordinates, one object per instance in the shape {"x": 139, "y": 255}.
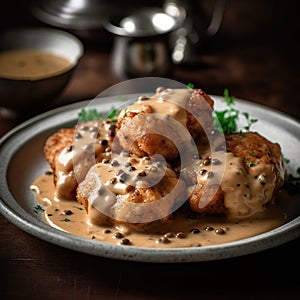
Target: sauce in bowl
{"x": 25, "y": 64}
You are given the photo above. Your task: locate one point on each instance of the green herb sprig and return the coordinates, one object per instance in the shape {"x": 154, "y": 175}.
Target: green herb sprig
{"x": 292, "y": 182}
{"x": 89, "y": 115}
{"x": 113, "y": 114}
{"x": 190, "y": 86}
{"x": 38, "y": 208}
{"x": 227, "y": 120}
{"x": 93, "y": 115}
{"x": 249, "y": 120}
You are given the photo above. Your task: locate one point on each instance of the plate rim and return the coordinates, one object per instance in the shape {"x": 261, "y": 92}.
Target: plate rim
{"x": 41, "y": 230}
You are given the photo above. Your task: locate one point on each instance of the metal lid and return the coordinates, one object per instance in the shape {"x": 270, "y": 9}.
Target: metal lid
{"x": 144, "y": 22}
{"x": 73, "y": 14}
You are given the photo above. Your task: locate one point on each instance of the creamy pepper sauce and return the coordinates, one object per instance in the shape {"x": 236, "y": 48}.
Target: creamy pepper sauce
{"x": 185, "y": 229}
{"x": 31, "y": 64}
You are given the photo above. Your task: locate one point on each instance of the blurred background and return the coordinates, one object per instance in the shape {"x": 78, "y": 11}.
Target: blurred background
{"x": 254, "y": 52}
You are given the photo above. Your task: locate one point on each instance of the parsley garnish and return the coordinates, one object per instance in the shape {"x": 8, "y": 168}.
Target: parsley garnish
{"x": 93, "y": 115}
{"x": 66, "y": 220}
{"x": 79, "y": 208}
{"x": 249, "y": 121}
{"x": 294, "y": 180}
{"x": 113, "y": 114}
{"x": 190, "y": 85}
{"x": 38, "y": 208}
{"x": 227, "y": 120}
{"x": 251, "y": 164}
{"x": 89, "y": 115}
{"x": 292, "y": 183}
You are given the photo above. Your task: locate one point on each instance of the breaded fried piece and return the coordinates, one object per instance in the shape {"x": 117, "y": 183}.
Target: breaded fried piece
{"x": 253, "y": 172}
{"x": 56, "y": 143}
{"x": 255, "y": 149}
{"x": 142, "y": 132}
{"x": 140, "y": 195}
{"x": 133, "y": 135}
{"x": 72, "y": 151}
{"x": 212, "y": 195}
{"x": 145, "y": 205}
{"x": 200, "y": 119}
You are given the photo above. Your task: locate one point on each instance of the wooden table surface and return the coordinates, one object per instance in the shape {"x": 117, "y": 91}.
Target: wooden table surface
{"x": 256, "y": 56}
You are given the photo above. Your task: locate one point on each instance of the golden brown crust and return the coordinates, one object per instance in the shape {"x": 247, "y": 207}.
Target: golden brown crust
{"x": 82, "y": 200}
{"x": 154, "y": 203}
{"x": 69, "y": 166}
{"x": 215, "y": 196}
{"x": 56, "y": 143}
{"x": 199, "y": 122}
{"x": 254, "y": 149}
{"x": 200, "y": 118}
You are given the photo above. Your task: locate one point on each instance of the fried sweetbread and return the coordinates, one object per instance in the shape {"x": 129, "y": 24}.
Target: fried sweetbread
{"x": 72, "y": 151}
{"x": 166, "y": 122}
{"x": 241, "y": 181}
{"x": 130, "y": 190}
{"x": 55, "y": 143}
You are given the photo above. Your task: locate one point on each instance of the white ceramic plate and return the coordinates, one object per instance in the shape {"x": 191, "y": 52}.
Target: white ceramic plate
{"x": 22, "y": 160}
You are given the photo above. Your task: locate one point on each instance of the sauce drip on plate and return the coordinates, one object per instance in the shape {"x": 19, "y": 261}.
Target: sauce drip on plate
{"x": 184, "y": 230}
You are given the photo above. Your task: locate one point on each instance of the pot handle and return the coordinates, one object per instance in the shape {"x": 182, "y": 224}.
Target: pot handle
{"x": 217, "y": 16}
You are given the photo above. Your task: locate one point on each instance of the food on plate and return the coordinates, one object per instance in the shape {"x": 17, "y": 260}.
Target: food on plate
{"x": 160, "y": 173}
{"x": 190, "y": 108}
{"x": 254, "y": 172}
{"x": 72, "y": 151}
{"x": 126, "y": 181}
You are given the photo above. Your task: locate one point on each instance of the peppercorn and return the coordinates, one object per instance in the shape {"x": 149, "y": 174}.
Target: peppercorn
{"x": 169, "y": 235}
{"x": 210, "y": 174}
{"x": 215, "y": 161}
{"x": 126, "y": 164}
{"x": 206, "y": 162}
{"x": 113, "y": 180}
{"x": 163, "y": 240}
{"x": 67, "y": 212}
{"x": 118, "y": 235}
{"x": 219, "y": 231}
{"x": 142, "y": 174}
{"x": 115, "y": 163}
{"x": 122, "y": 177}
{"x": 202, "y": 171}
{"x": 70, "y": 148}
{"x": 103, "y": 142}
{"x": 208, "y": 228}
{"x": 180, "y": 235}
{"x": 78, "y": 135}
{"x": 125, "y": 242}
